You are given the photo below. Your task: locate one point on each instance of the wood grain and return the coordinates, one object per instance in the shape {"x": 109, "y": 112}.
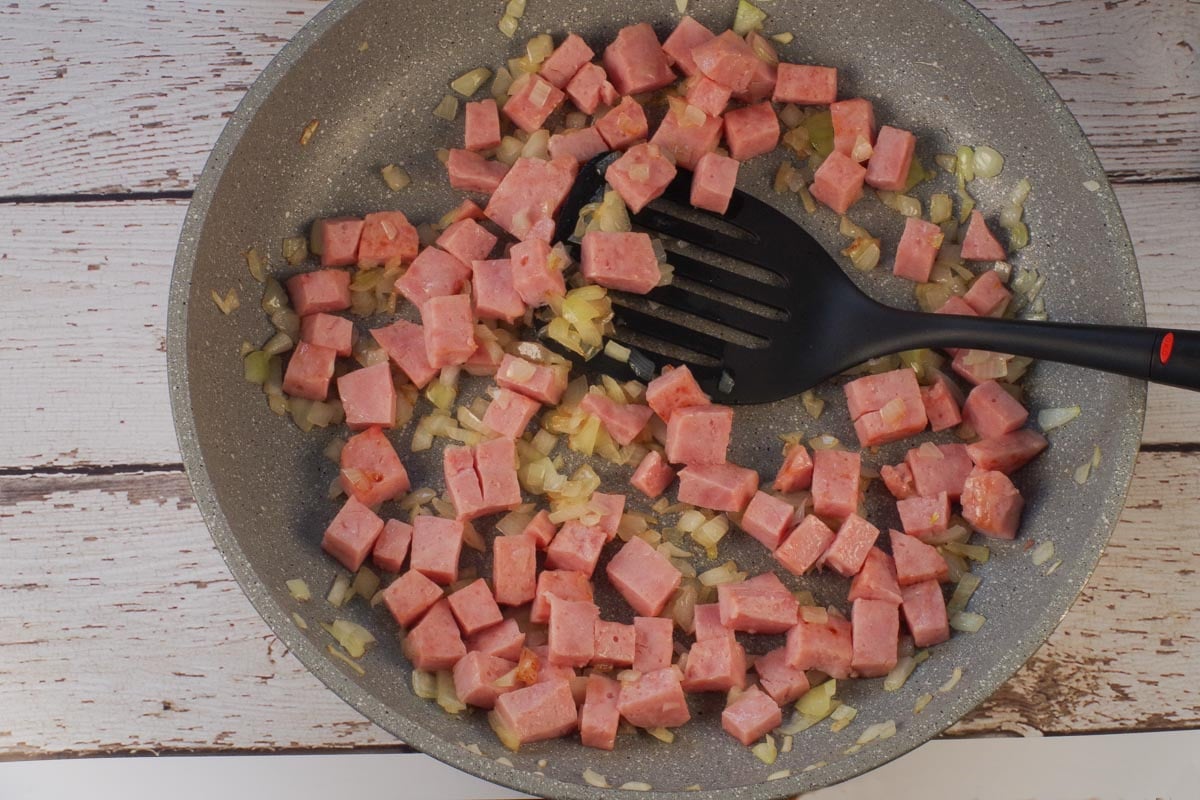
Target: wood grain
{"x": 116, "y": 99}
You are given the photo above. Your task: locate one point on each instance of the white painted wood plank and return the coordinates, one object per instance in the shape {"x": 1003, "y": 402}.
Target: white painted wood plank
{"x": 125, "y": 625}
{"x": 125, "y": 96}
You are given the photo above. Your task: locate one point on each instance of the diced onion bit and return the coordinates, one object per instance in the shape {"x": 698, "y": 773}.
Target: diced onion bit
{"x": 447, "y": 109}
{"x": 1096, "y": 457}
{"x": 842, "y": 716}
{"x": 310, "y": 130}
{"x": 949, "y": 685}
{"x": 899, "y": 674}
{"x": 338, "y": 592}
{"x": 256, "y": 264}
{"x": 1050, "y": 418}
{"x": 468, "y": 83}
{"x": 447, "y": 698}
{"x": 922, "y": 701}
{"x": 508, "y": 25}
{"x": 967, "y": 621}
{"x": 350, "y": 635}
{"x": 681, "y": 6}
{"x": 395, "y": 177}
{"x": 975, "y": 552}
{"x": 812, "y": 404}
{"x": 1042, "y": 553}
{"x": 880, "y": 730}
{"x": 636, "y": 786}
{"x": 779, "y": 775}
{"x": 299, "y": 590}
{"x": 748, "y": 17}
{"x": 816, "y": 765}
{"x": 766, "y": 751}
{"x": 301, "y": 623}
{"x": 341, "y": 656}
{"x": 786, "y": 747}
{"x": 424, "y": 684}
{"x": 662, "y": 734}
{"x": 593, "y": 778}
{"x": 229, "y": 303}
{"x": 966, "y": 587}
{"x": 987, "y": 162}
{"x": 784, "y": 38}
{"x": 1052, "y": 568}
{"x": 1082, "y": 473}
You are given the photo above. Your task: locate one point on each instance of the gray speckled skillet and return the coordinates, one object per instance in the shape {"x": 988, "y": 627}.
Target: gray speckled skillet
{"x": 934, "y": 66}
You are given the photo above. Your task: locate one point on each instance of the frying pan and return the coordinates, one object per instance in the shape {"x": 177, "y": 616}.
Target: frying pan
{"x": 936, "y": 67}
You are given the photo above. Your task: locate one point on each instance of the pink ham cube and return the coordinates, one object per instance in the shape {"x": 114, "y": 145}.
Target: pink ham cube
{"x": 916, "y": 561}
{"x": 391, "y": 548}
{"x": 707, "y": 622}
{"x": 720, "y": 487}
{"x": 805, "y": 85}
{"x": 472, "y": 172}
{"x": 503, "y": 641}
{"x": 547, "y": 672}
{"x": 338, "y": 240}
{"x": 849, "y": 550}
{"x": 873, "y": 392}
{"x": 932, "y": 475}
{"x": 940, "y": 406}
{"x": 898, "y": 479}
{"x": 759, "y": 605}
{"x": 496, "y": 465}
{"x": 751, "y": 716}
{"x": 889, "y": 164}
{"x": 623, "y": 261}
{"x": 561, "y": 65}
{"x": 576, "y": 547}
{"x": 762, "y": 80}
{"x": 433, "y": 273}
{"x": 1007, "y": 453}
{"x": 918, "y": 248}
{"x": 371, "y": 472}
{"x": 751, "y": 131}
{"x": 320, "y": 290}
{"x": 688, "y": 35}
{"x": 779, "y": 679}
{"x": 635, "y": 61}
{"x": 467, "y": 241}
{"x": 876, "y": 580}
{"x": 624, "y": 125}
{"x": 824, "y": 644}
{"x": 404, "y": 342}
{"x": 531, "y": 100}
{"x": 482, "y": 126}
{"x": 462, "y": 482}
{"x": 534, "y": 713}
{"x": 654, "y": 700}
{"x": 541, "y": 382}
{"x": 715, "y": 665}
{"x": 653, "y": 643}
{"x": 925, "y": 613}
{"x": 875, "y": 637}
{"x": 835, "y": 483}
{"x": 436, "y": 545}
{"x": 838, "y": 182}
{"x": 580, "y": 145}
{"x": 707, "y": 95}
{"x": 572, "y": 631}
{"x": 805, "y": 545}
{"x": 615, "y": 644}
{"x": 336, "y": 333}
{"x": 509, "y": 413}
{"x": 368, "y": 397}
{"x": 796, "y": 473}
{"x": 541, "y": 529}
{"x": 388, "y": 239}
{"x": 728, "y": 60}
{"x": 514, "y": 569}
{"x": 713, "y": 182}
{"x": 611, "y": 507}
{"x": 623, "y": 421}
{"x": 886, "y": 407}
{"x": 475, "y": 677}
{"x": 993, "y": 412}
{"x": 493, "y": 292}
{"x": 525, "y": 202}
{"x": 923, "y": 517}
{"x": 352, "y": 533}
{"x": 687, "y": 133}
{"x": 558, "y": 583}
{"x": 699, "y": 434}
{"x": 644, "y": 577}
{"x": 992, "y": 504}
{"x": 674, "y": 389}
{"x": 534, "y": 278}
{"x": 640, "y": 175}
{"x": 600, "y": 716}
{"x": 589, "y": 88}
{"x": 410, "y": 596}
{"x": 988, "y": 296}
{"x": 434, "y": 643}
{"x": 308, "y": 372}
{"x": 449, "y": 330}
{"x": 653, "y": 475}
{"x": 768, "y": 519}
{"x": 475, "y": 608}
{"x": 979, "y": 244}
{"x": 853, "y": 123}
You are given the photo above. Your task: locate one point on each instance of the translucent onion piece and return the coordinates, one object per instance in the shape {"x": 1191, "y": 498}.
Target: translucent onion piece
{"x": 468, "y": 83}
{"x": 395, "y": 177}
{"x": 256, "y": 264}
{"x": 299, "y": 590}
{"x": 747, "y": 18}
{"x": 987, "y": 162}
{"x": 447, "y": 109}
{"x": 967, "y": 621}
{"x": 1050, "y": 418}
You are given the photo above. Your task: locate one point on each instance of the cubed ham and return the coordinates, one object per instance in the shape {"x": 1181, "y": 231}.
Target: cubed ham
{"x": 751, "y": 131}
{"x": 509, "y": 413}
{"x": 531, "y": 100}
{"x": 624, "y": 125}
{"x": 835, "y": 483}
{"x": 992, "y": 504}
{"x": 759, "y": 605}
{"x": 796, "y": 472}
{"x": 768, "y": 519}
{"x": 560, "y": 583}
{"x": 623, "y": 261}
{"x": 525, "y": 202}
{"x": 475, "y": 608}
{"x": 751, "y": 716}
{"x": 338, "y": 243}
{"x": 475, "y": 677}
{"x": 715, "y": 665}
{"x": 635, "y": 62}
{"x": 838, "y": 182}
{"x": 548, "y": 672}
{"x": 541, "y": 529}
{"x": 434, "y": 643}
{"x": 728, "y": 60}
{"x": 766, "y": 72}
{"x": 699, "y": 434}
{"x": 916, "y": 561}
{"x": 580, "y": 145}
{"x": 495, "y": 462}
{"x": 940, "y": 406}
{"x": 534, "y": 277}
{"x": 640, "y": 175}
{"x": 368, "y": 396}
{"x": 309, "y": 371}
{"x": 572, "y": 631}
{"x": 653, "y": 475}
{"x": 707, "y": 622}
{"x": 503, "y": 641}
{"x": 993, "y": 412}
{"x": 615, "y": 644}
{"x": 779, "y": 679}
{"x": 1009, "y": 452}
{"x": 687, "y": 133}
{"x": 854, "y": 540}
{"x": 888, "y": 168}
{"x": 436, "y": 545}
{"x": 688, "y": 35}
{"x": 326, "y": 330}
{"x": 923, "y": 517}
{"x": 388, "y": 239}
{"x": 988, "y": 296}
{"x": 462, "y": 482}
{"x": 391, "y": 548}
{"x": 449, "y": 328}
{"x": 805, "y": 545}
{"x": 433, "y": 273}
{"x": 482, "y": 125}
{"x": 654, "y": 700}
{"x": 623, "y": 421}
{"x": 472, "y": 172}
{"x": 541, "y": 382}
{"x": 925, "y": 613}
{"x": 493, "y": 292}
{"x": 853, "y": 123}
{"x": 720, "y": 487}
{"x": 576, "y": 547}
{"x": 514, "y": 569}
{"x": 534, "y": 713}
{"x": 822, "y": 644}
{"x": 371, "y": 471}
{"x": 917, "y": 250}
{"x": 653, "y": 643}
{"x": 875, "y": 637}
{"x": 352, "y": 533}
{"x": 610, "y": 507}
{"x": 561, "y": 65}
{"x": 713, "y": 182}
{"x": 404, "y": 342}
{"x": 674, "y": 389}
{"x": 873, "y": 392}
{"x": 589, "y": 88}
{"x": 599, "y": 717}
{"x": 886, "y": 407}
{"x": 899, "y": 480}
{"x": 932, "y": 475}
{"x": 805, "y": 85}
{"x": 877, "y": 579}
{"x": 467, "y": 241}
{"x": 979, "y": 244}
{"x": 643, "y": 576}
{"x": 707, "y": 95}
{"x": 410, "y": 596}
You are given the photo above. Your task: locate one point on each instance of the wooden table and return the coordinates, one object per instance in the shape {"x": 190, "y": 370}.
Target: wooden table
{"x": 121, "y": 630}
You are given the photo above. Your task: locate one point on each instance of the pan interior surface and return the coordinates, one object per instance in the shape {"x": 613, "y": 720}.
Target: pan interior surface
{"x": 371, "y": 72}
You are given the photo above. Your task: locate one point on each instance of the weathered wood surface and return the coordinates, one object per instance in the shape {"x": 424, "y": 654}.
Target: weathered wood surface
{"x": 126, "y": 97}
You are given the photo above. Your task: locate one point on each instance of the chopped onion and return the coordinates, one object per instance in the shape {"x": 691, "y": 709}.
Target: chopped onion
{"x": 1082, "y": 472}
{"x": 1050, "y": 418}
{"x": 964, "y": 159}
{"x": 880, "y": 730}
{"x": 904, "y": 204}
{"x": 966, "y": 587}
{"x": 301, "y": 623}
{"x": 710, "y": 533}
{"x": 862, "y": 150}
{"x": 256, "y": 264}
{"x": 447, "y": 697}
{"x": 365, "y": 584}
{"x": 863, "y": 253}
{"x": 766, "y": 751}
{"x": 780, "y": 774}
{"x": 955, "y": 677}
{"x": 309, "y": 131}
{"x": 825, "y": 442}
{"x": 338, "y": 591}
{"x": 352, "y": 636}
{"x": 726, "y": 573}
{"x": 662, "y": 734}
{"x": 447, "y": 109}
{"x": 341, "y": 656}
{"x": 899, "y": 674}
{"x": 747, "y": 18}
{"x": 1096, "y": 457}
{"x": 967, "y": 621}
{"x": 229, "y": 303}
{"x": 468, "y": 83}
{"x": 987, "y": 162}
{"x": 975, "y": 552}
{"x": 842, "y": 716}
{"x": 593, "y": 778}
{"x": 814, "y": 615}
{"x": 941, "y": 208}
{"x": 636, "y": 786}
{"x": 508, "y": 26}
{"x": 299, "y": 590}
{"x": 681, "y": 6}
{"x": 784, "y": 38}
{"x": 395, "y": 177}
{"x": 1042, "y": 553}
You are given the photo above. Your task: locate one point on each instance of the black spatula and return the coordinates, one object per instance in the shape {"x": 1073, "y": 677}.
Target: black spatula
{"x": 794, "y": 318}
